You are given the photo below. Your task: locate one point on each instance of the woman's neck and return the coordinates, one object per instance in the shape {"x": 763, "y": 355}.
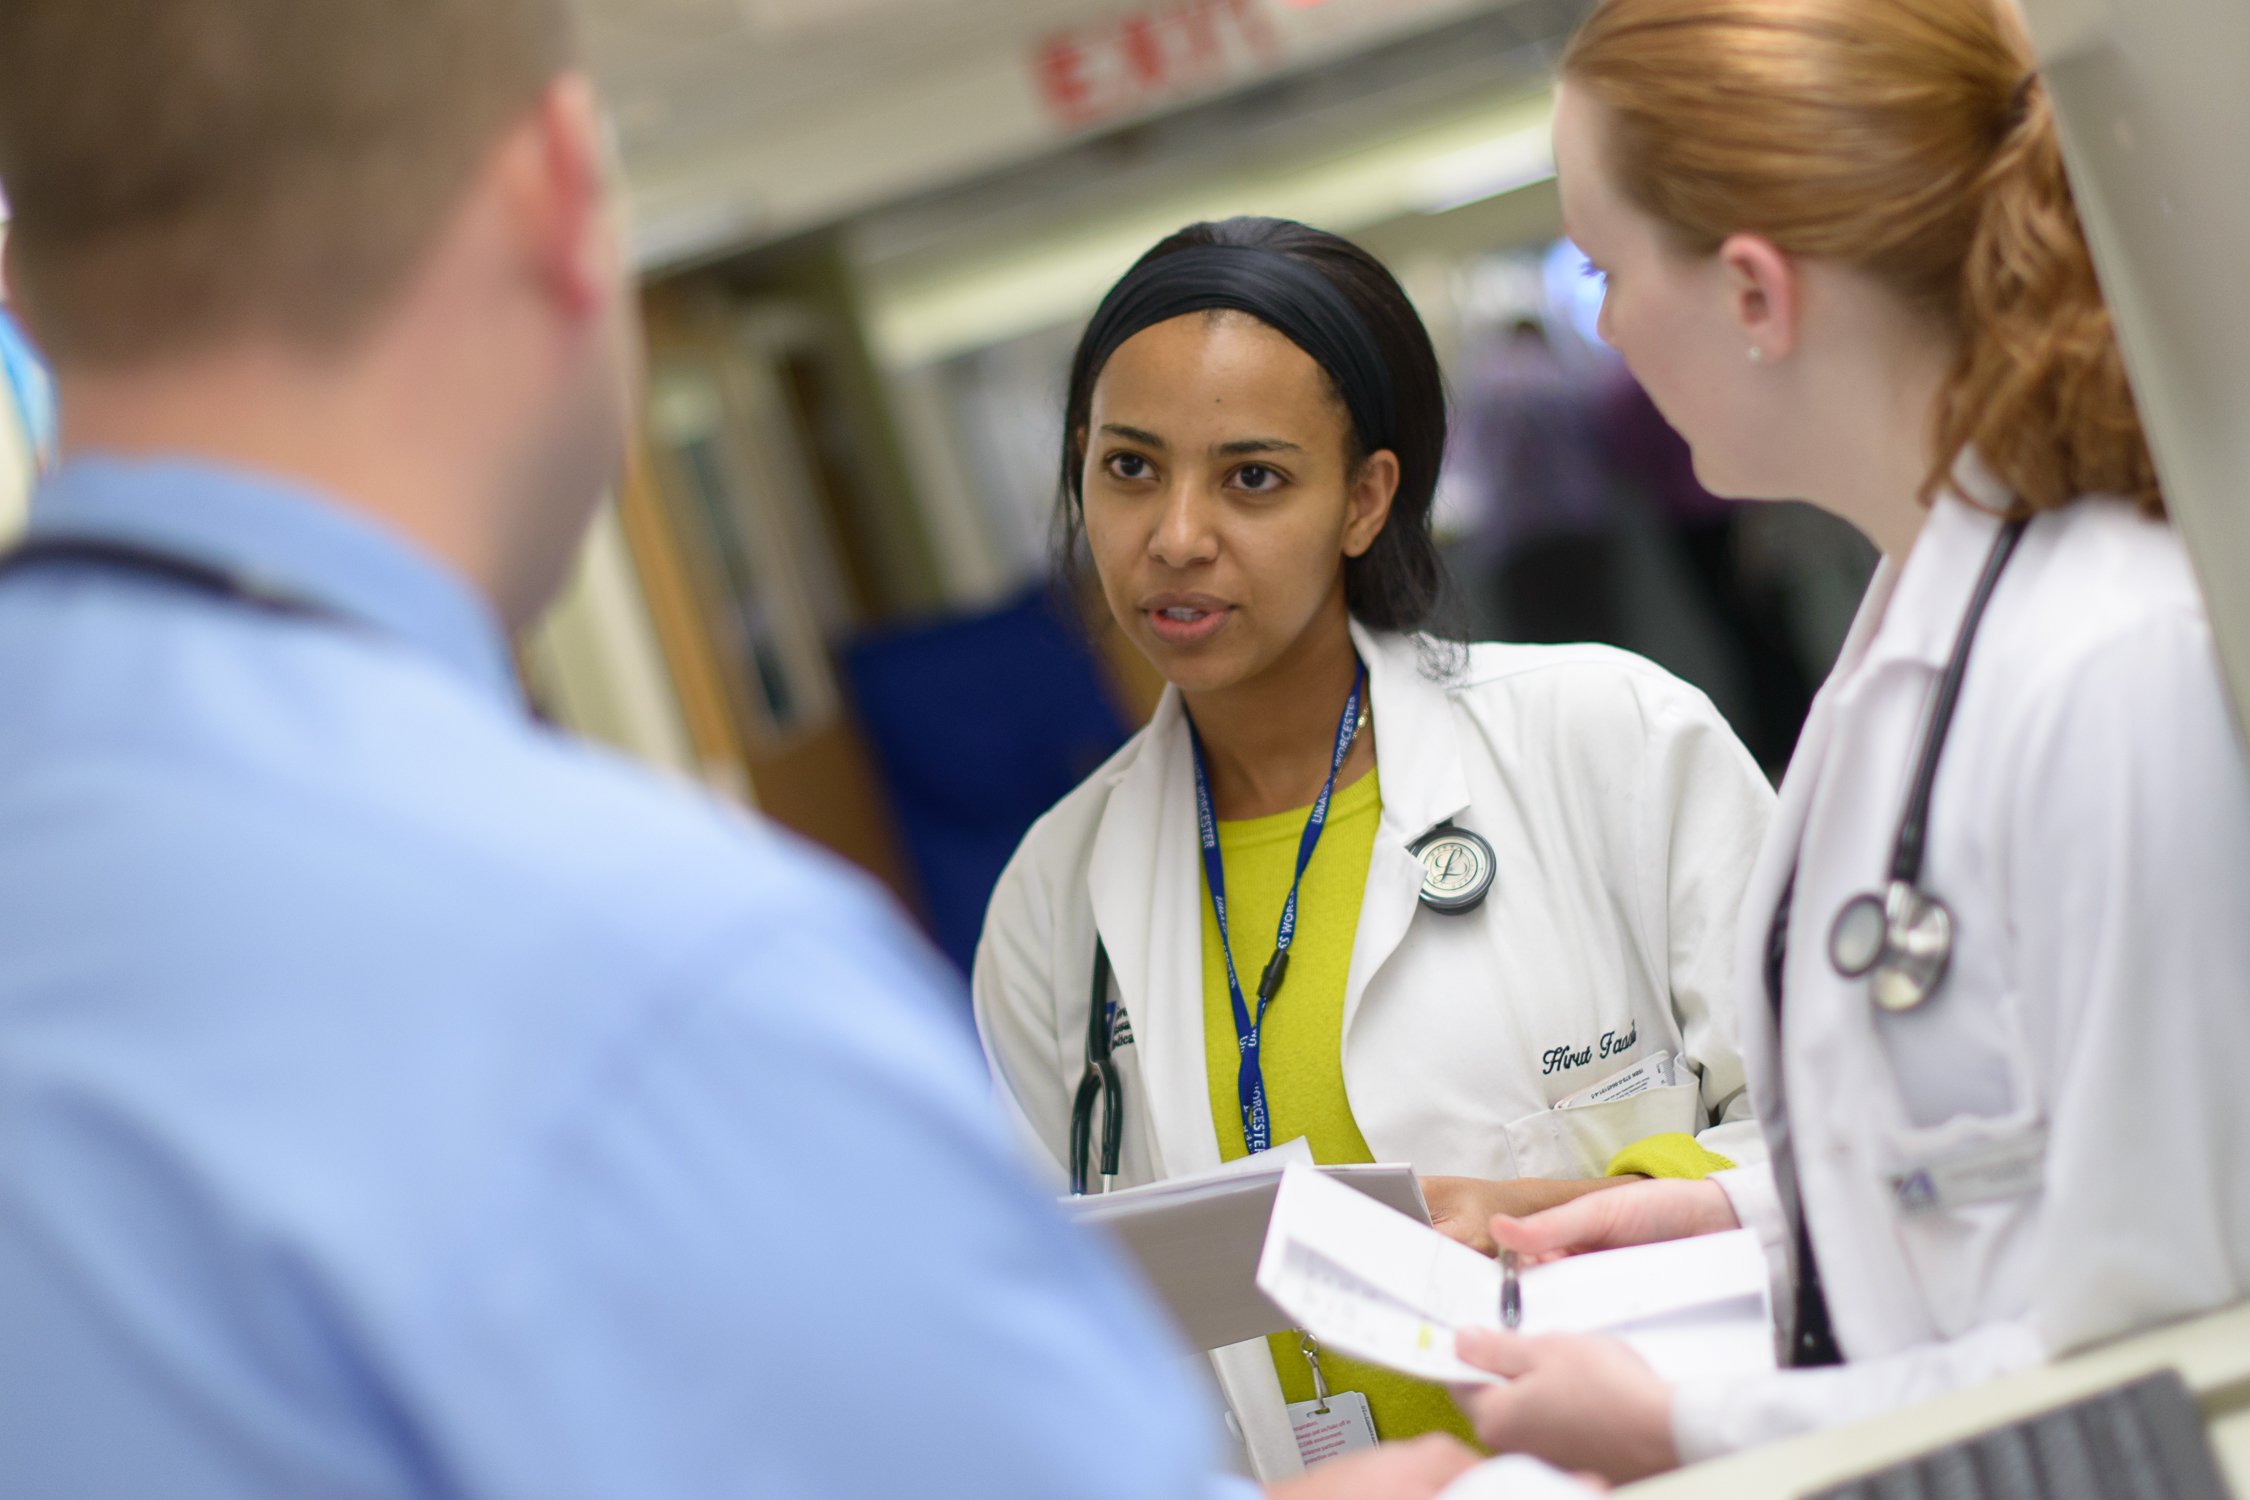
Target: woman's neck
{"x": 1268, "y": 741}
{"x": 1870, "y": 392}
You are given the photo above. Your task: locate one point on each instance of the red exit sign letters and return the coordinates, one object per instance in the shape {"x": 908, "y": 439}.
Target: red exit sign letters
{"x": 1149, "y": 57}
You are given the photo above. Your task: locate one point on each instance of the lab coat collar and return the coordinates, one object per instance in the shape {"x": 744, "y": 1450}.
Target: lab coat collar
{"x": 1913, "y": 612}
{"x": 1418, "y": 749}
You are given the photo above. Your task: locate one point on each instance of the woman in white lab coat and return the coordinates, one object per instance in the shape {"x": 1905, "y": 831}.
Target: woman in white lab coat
{"x": 1521, "y": 888}
{"x": 1843, "y": 258}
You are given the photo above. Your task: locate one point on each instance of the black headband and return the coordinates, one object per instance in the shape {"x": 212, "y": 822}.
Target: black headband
{"x": 1279, "y": 290}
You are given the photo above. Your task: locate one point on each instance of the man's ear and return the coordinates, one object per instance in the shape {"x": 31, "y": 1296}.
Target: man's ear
{"x": 1762, "y": 296}
{"x": 1368, "y": 508}
{"x": 10, "y": 295}
{"x": 575, "y": 231}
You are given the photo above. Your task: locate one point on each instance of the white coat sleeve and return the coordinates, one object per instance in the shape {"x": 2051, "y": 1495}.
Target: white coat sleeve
{"x": 2127, "y": 856}
{"x": 1712, "y": 1418}
{"x": 1012, "y": 986}
{"x": 1708, "y": 806}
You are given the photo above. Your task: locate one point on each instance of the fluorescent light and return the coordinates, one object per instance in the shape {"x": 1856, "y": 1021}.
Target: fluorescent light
{"x": 921, "y": 315}
{"x": 1485, "y": 170}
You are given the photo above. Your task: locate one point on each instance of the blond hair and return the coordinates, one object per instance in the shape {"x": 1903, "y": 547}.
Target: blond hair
{"x": 1913, "y": 140}
{"x": 181, "y": 171}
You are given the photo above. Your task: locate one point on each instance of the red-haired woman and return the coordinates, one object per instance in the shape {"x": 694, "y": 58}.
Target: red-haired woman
{"x": 1996, "y": 945}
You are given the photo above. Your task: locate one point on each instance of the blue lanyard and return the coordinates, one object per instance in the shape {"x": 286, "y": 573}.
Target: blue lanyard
{"x": 1250, "y": 1080}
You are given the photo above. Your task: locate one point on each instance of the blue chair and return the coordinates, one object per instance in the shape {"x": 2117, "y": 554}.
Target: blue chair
{"x": 978, "y": 724}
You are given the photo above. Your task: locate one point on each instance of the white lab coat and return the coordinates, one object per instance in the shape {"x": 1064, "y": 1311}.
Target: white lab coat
{"x": 1624, "y": 817}
{"x": 2086, "y": 1057}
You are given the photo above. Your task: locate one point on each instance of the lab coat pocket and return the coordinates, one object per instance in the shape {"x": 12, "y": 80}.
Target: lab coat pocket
{"x": 1579, "y": 1141}
{"x": 1962, "y": 1196}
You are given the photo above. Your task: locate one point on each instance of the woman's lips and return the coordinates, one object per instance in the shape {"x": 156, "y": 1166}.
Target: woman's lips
{"x": 1187, "y": 624}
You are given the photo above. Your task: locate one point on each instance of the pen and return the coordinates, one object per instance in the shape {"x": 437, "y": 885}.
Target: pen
{"x": 1511, "y": 1291}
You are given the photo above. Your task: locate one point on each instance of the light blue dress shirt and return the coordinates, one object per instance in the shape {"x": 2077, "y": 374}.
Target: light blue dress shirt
{"x": 399, "y": 1099}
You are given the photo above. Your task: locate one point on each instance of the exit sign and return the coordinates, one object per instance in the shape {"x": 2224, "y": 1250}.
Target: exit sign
{"x": 1144, "y": 59}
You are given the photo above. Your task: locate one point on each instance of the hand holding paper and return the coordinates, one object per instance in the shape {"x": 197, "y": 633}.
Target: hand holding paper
{"x": 1583, "y": 1402}
{"x": 1378, "y": 1286}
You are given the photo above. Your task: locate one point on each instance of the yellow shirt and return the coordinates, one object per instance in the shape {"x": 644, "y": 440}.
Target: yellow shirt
{"x": 1301, "y": 1046}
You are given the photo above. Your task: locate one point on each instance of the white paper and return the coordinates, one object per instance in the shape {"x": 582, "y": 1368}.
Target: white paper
{"x": 1649, "y": 1073}
{"x": 1197, "y": 1239}
{"x": 1375, "y": 1285}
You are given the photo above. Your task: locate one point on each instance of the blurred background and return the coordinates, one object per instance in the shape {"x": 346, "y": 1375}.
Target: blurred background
{"x": 870, "y": 231}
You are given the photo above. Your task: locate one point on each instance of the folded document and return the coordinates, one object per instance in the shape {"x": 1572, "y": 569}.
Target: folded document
{"x": 1375, "y": 1285}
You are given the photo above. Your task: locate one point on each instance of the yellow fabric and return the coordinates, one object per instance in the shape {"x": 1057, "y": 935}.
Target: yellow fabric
{"x": 1301, "y": 1046}
{"x": 1673, "y": 1155}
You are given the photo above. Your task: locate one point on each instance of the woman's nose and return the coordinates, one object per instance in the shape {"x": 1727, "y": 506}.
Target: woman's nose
{"x": 1184, "y": 532}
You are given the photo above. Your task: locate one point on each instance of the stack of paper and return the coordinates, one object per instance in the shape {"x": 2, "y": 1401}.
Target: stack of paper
{"x": 1197, "y": 1239}
{"x": 1375, "y": 1285}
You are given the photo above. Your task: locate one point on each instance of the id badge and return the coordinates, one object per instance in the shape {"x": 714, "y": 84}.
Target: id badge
{"x": 1331, "y": 1426}
{"x": 1650, "y": 1073}
{"x": 1996, "y": 1173}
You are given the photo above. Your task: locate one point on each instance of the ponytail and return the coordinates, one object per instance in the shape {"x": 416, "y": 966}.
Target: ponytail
{"x": 2039, "y": 391}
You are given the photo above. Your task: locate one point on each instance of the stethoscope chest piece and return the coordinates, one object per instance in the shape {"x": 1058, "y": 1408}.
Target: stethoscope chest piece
{"x": 1900, "y": 942}
{"x": 1457, "y": 869}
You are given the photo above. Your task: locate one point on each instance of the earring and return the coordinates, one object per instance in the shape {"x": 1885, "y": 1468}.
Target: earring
{"x": 1757, "y": 355}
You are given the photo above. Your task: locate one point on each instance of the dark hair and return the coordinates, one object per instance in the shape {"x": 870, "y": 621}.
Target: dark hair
{"x": 1342, "y": 307}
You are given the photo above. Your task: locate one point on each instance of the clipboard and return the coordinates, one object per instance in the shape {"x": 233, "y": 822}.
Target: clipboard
{"x": 1196, "y": 1240}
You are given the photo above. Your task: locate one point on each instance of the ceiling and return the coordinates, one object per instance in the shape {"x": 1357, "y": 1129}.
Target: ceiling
{"x": 679, "y": 72}
{"x": 747, "y": 121}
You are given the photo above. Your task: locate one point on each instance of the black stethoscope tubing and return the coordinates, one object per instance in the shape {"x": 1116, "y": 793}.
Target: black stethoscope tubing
{"x": 1914, "y": 823}
{"x": 165, "y": 566}
{"x": 1098, "y": 1086}
{"x": 1900, "y": 939}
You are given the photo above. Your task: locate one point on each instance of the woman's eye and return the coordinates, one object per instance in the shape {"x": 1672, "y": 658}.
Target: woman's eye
{"x": 1127, "y": 466}
{"x": 1257, "y": 478}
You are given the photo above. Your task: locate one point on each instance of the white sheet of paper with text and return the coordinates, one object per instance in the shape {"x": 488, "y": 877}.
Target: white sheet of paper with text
{"x": 1375, "y": 1285}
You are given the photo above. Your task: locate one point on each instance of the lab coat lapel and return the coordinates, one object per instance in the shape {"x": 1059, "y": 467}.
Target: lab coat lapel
{"x": 1145, "y": 886}
{"x": 1418, "y": 757}
{"x": 1771, "y": 877}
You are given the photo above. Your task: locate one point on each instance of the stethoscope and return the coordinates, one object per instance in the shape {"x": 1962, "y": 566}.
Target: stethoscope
{"x": 1900, "y": 939}
{"x": 1457, "y": 874}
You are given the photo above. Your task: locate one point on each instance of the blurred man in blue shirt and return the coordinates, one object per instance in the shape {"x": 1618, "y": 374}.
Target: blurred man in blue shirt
{"x": 398, "y": 1100}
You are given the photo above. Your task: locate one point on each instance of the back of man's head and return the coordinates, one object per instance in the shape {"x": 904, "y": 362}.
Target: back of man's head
{"x": 363, "y": 245}
{"x": 185, "y": 171}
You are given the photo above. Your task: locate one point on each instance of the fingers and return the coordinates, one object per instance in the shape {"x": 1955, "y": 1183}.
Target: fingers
{"x": 1491, "y": 1410}
{"x": 1567, "y": 1229}
{"x": 1507, "y": 1354}
{"x": 1439, "y": 1458}
{"x": 1468, "y": 1230}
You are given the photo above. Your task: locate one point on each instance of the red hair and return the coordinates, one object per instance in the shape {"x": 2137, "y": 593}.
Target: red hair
{"x": 1913, "y": 140}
